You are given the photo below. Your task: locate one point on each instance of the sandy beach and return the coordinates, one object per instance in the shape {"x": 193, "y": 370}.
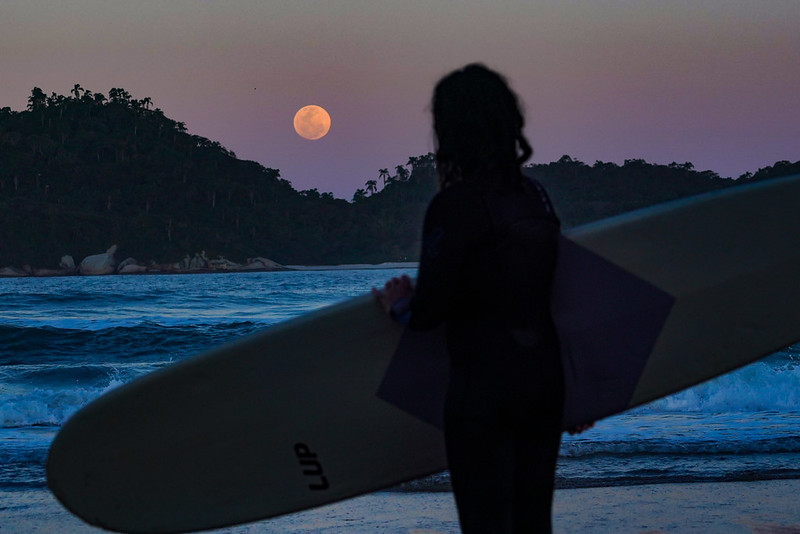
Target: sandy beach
{"x": 761, "y": 507}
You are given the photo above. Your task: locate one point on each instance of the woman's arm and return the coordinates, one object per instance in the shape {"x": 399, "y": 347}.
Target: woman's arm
{"x": 395, "y": 298}
{"x": 455, "y": 220}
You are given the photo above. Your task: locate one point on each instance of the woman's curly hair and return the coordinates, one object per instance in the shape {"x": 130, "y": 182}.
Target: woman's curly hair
{"x": 478, "y": 125}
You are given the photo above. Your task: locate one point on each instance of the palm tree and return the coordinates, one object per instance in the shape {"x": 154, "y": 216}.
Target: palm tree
{"x": 372, "y": 186}
{"x": 384, "y": 175}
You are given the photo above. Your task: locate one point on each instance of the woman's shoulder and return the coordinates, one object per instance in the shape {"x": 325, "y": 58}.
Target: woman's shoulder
{"x": 458, "y": 205}
{"x": 472, "y": 196}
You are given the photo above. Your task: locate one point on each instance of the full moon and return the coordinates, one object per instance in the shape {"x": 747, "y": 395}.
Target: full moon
{"x": 312, "y": 122}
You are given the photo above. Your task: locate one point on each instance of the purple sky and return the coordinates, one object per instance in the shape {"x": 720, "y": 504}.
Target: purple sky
{"x": 714, "y": 82}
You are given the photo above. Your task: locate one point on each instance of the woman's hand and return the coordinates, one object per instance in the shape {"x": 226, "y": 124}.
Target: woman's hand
{"x": 394, "y": 290}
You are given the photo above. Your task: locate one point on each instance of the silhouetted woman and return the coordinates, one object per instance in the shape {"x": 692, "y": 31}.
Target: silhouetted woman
{"x": 486, "y": 269}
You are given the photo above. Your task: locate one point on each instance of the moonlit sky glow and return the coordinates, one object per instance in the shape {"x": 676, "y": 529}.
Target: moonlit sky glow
{"x": 714, "y": 82}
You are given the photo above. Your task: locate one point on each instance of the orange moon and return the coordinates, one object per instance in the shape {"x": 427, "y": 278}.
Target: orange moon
{"x": 312, "y": 122}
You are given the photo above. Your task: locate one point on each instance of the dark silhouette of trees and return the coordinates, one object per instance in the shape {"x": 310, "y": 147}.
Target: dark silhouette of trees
{"x": 383, "y": 174}
{"x": 402, "y": 173}
{"x": 359, "y": 195}
{"x": 583, "y": 193}
{"x": 37, "y": 100}
{"x": 79, "y": 173}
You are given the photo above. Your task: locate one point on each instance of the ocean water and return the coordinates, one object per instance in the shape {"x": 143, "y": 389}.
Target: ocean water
{"x": 65, "y": 341}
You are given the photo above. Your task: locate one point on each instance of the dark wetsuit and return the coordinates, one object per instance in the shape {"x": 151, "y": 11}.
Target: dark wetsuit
{"x": 486, "y": 271}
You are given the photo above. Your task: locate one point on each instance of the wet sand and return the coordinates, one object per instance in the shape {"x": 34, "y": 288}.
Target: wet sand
{"x": 762, "y": 507}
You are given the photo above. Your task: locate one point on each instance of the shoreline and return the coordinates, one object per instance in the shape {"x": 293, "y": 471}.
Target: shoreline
{"x": 357, "y": 266}
{"x": 759, "y": 507}
{"x": 440, "y": 482}
{"x": 13, "y": 273}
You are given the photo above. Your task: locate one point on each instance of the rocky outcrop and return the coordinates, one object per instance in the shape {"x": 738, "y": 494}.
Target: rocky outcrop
{"x": 253, "y": 264}
{"x": 12, "y": 272}
{"x": 99, "y": 263}
{"x": 197, "y": 263}
{"x": 223, "y": 264}
{"x": 200, "y": 261}
{"x": 67, "y": 263}
{"x": 130, "y": 266}
{"x": 124, "y": 263}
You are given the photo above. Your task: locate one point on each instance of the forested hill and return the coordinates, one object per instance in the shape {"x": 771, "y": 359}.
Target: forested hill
{"x": 583, "y": 193}
{"x": 79, "y": 173}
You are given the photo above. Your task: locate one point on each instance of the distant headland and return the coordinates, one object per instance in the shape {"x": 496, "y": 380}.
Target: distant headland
{"x": 84, "y": 171}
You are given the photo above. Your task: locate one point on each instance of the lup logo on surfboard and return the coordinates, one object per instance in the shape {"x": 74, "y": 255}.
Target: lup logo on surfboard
{"x": 313, "y": 468}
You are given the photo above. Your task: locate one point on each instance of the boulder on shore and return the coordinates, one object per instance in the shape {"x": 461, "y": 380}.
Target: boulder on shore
{"x": 130, "y": 266}
{"x": 224, "y": 264}
{"x": 196, "y": 263}
{"x": 200, "y": 261}
{"x": 99, "y": 263}
{"x": 12, "y": 272}
{"x": 127, "y": 261}
{"x": 261, "y": 263}
{"x": 67, "y": 263}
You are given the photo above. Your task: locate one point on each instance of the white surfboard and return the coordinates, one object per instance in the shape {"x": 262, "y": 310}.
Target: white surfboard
{"x": 343, "y": 401}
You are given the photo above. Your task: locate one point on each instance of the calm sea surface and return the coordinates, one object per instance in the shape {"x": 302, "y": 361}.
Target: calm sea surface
{"x": 65, "y": 341}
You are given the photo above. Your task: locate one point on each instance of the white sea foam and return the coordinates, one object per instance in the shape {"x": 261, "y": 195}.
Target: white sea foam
{"x": 760, "y": 386}
{"x": 47, "y": 407}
